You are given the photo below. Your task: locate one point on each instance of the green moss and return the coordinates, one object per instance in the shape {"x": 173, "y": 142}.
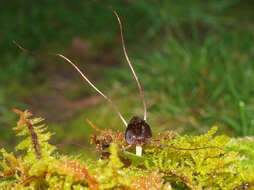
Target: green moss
{"x": 220, "y": 164}
{"x": 245, "y": 146}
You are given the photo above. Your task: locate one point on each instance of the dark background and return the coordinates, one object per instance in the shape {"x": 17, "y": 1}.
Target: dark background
{"x": 195, "y": 61}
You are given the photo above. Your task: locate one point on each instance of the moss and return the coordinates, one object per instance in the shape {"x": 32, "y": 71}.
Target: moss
{"x": 245, "y": 146}
{"x": 222, "y": 163}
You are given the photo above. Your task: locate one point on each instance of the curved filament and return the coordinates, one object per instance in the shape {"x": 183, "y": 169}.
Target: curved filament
{"x": 199, "y": 148}
{"x": 82, "y": 75}
{"x": 128, "y": 60}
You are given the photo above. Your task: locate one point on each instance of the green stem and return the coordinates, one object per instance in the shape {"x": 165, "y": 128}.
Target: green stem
{"x": 243, "y": 117}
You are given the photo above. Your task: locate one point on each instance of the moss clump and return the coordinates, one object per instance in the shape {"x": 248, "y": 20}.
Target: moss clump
{"x": 38, "y": 166}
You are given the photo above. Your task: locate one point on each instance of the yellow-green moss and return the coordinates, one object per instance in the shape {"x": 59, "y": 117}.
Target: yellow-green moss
{"x": 39, "y": 166}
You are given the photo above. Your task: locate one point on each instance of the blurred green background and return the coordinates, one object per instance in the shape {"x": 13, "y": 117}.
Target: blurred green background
{"x": 194, "y": 58}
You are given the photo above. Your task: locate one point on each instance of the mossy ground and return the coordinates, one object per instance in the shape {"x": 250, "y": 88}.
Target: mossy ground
{"x": 36, "y": 164}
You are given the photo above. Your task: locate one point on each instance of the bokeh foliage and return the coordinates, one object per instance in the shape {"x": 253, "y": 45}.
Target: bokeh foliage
{"x": 194, "y": 59}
